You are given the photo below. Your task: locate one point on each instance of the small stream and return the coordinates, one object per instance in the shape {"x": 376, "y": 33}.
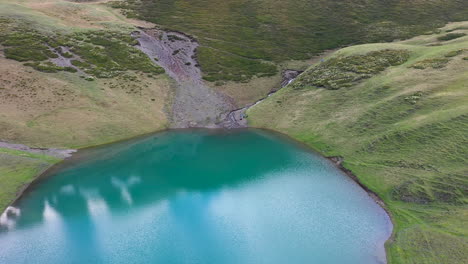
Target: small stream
{"x": 238, "y": 119}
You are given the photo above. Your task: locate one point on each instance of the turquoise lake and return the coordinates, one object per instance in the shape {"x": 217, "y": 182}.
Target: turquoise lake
{"x": 196, "y": 196}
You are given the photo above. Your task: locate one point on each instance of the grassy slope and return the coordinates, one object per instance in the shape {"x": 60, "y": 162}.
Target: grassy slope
{"x": 18, "y": 168}
{"x": 60, "y": 109}
{"x": 403, "y": 132}
{"x": 236, "y": 35}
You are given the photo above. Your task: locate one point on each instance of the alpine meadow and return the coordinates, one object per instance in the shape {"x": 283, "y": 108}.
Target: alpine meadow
{"x": 207, "y": 104}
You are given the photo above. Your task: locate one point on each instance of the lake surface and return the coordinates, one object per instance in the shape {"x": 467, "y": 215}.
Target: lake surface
{"x": 196, "y": 196}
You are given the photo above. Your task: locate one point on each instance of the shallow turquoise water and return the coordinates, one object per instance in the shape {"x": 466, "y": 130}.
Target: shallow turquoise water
{"x": 196, "y": 197}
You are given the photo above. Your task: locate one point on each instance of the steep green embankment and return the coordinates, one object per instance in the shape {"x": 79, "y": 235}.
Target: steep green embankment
{"x": 238, "y": 36}
{"x": 398, "y": 115}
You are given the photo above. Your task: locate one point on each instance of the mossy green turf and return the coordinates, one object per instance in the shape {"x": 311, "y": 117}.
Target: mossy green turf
{"x": 18, "y": 168}
{"x": 403, "y": 132}
{"x": 236, "y": 35}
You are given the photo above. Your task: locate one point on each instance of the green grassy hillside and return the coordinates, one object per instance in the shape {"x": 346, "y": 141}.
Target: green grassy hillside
{"x": 397, "y": 112}
{"x": 240, "y": 38}
{"x": 398, "y": 115}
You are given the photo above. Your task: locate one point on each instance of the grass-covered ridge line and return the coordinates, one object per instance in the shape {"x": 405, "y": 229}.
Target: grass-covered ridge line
{"x": 99, "y": 53}
{"x": 233, "y": 33}
{"x": 402, "y": 132}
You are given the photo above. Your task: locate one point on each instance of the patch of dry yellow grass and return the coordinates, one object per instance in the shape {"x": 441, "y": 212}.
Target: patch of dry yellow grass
{"x": 63, "y": 110}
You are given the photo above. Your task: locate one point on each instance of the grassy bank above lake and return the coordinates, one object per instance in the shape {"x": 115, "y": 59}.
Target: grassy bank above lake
{"x": 17, "y": 169}
{"x": 401, "y": 126}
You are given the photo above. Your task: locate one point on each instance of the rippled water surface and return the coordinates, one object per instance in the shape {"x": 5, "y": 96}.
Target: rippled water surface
{"x": 195, "y": 197}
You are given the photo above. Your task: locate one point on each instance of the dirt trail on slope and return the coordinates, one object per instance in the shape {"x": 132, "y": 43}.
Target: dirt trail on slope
{"x": 55, "y": 152}
{"x": 195, "y": 104}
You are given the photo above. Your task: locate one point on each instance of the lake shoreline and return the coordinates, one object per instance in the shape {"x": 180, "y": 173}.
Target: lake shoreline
{"x": 313, "y": 193}
{"x": 336, "y": 161}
